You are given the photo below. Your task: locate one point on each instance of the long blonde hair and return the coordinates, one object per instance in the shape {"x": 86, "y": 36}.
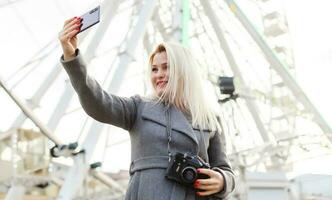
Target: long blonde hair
{"x": 185, "y": 86}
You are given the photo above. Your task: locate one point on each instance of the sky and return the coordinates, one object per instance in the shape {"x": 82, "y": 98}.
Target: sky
{"x": 311, "y": 39}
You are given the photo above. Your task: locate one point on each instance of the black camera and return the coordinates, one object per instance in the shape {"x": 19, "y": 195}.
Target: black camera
{"x": 183, "y": 169}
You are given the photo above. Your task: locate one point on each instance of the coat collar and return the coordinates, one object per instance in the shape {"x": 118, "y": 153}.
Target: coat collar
{"x": 157, "y": 112}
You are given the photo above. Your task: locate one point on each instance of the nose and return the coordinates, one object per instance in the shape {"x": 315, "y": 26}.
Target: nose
{"x": 161, "y": 73}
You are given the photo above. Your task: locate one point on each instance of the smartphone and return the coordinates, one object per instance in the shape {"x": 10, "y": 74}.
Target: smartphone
{"x": 90, "y": 18}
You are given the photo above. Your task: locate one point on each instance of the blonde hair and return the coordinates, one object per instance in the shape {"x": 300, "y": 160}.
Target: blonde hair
{"x": 184, "y": 88}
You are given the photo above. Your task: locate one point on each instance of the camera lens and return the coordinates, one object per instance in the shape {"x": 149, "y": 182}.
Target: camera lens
{"x": 189, "y": 174}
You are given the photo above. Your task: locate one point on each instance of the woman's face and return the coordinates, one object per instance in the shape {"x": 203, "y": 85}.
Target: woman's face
{"x": 159, "y": 72}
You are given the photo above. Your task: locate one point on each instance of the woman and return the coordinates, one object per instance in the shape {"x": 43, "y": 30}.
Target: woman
{"x": 174, "y": 120}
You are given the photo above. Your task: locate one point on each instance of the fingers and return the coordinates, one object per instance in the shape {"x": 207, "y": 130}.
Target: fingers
{"x": 207, "y": 187}
{"x": 72, "y": 33}
{"x": 66, "y": 36}
{"x": 208, "y": 181}
{"x": 72, "y": 22}
{"x": 207, "y": 193}
{"x": 210, "y": 185}
{"x": 208, "y": 172}
{"x": 69, "y": 20}
{"x": 76, "y": 26}
{"x": 70, "y": 29}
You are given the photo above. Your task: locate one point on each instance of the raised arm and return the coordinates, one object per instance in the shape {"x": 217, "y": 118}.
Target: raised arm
{"x": 96, "y": 102}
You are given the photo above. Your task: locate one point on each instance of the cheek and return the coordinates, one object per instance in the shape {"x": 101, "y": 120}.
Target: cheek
{"x": 152, "y": 77}
{"x": 167, "y": 74}
{"x": 153, "y": 80}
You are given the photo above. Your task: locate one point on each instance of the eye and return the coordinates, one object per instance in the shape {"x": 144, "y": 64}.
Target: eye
{"x": 154, "y": 69}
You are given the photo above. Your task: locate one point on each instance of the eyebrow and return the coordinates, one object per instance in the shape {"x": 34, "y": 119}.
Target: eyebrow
{"x": 165, "y": 63}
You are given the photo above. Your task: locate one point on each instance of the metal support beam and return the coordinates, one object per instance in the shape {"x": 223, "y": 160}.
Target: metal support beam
{"x": 267, "y": 138}
{"x": 50, "y": 78}
{"x": 61, "y": 106}
{"x": 28, "y": 112}
{"x": 180, "y": 23}
{"x": 72, "y": 184}
{"x": 185, "y": 22}
{"x": 158, "y": 24}
{"x": 176, "y": 22}
{"x": 16, "y": 192}
{"x": 128, "y": 54}
{"x": 108, "y": 181}
{"x": 281, "y": 69}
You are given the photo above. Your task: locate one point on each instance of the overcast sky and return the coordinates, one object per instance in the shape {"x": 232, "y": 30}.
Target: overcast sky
{"x": 309, "y": 23}
{"x": 311, "y": 32}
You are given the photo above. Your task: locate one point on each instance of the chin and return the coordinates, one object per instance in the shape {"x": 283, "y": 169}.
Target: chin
{"x": 160, "y": 92}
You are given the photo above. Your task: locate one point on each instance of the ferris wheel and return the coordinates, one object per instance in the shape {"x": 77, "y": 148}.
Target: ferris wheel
{"x": 50, "y": 147}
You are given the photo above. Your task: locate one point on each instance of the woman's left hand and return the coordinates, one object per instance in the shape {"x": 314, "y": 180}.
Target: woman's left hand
{"x": 211, "y": 185}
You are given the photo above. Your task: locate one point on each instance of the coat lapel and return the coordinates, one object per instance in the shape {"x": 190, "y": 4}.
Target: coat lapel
{"x": 157, "y": 113}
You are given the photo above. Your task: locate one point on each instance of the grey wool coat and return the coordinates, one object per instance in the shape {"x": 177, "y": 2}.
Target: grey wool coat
{"x": 146, "y": 122}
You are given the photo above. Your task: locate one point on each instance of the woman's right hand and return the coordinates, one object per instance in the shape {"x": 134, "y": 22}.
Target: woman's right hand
{"x": 68, "y": 38}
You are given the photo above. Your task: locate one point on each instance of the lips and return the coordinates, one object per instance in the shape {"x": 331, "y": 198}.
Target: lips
{"x": 161, "y": 83}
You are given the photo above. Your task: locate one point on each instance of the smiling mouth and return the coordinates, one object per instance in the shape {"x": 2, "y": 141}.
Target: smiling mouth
{"x": 161, "y": 84}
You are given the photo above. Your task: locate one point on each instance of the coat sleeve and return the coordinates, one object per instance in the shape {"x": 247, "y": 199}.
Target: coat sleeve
{"x": 96, "y": 102}
{"x": 220, "y": 163}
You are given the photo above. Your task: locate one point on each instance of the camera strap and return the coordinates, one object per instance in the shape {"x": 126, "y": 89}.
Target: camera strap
{"x": 169, "y": 132}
